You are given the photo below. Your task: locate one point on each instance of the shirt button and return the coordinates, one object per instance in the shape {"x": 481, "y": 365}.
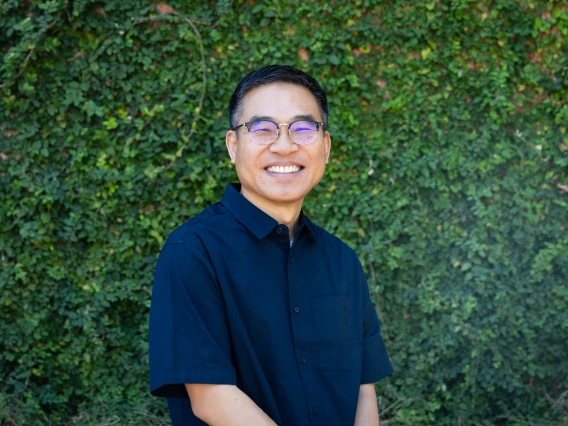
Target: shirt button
{"x": 297, "y": 310}
{"x": 279, "y": 230}
{"x": 290, "y": 260}
{"x": 315, "y": 411}
{"x": 304, "y": 360}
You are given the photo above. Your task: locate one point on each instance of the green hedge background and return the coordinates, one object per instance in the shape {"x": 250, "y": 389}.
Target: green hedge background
{"x": 448, "y": 175}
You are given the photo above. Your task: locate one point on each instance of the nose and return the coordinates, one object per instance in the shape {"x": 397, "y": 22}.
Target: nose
{"x": 283, "y": 145}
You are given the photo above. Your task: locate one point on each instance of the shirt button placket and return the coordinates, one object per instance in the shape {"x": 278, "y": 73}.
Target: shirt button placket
{"x": 299, "y": 321}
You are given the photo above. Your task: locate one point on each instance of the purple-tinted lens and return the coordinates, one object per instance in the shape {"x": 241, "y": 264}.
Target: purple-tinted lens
{"x": 263, "y": 132}
{"x": 303, "y": 132}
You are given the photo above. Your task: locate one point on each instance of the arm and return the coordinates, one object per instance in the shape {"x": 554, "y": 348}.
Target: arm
{"x": 189, "y": 335}
{"x": 367, "y": 411}
{"x": 220, "y": 405}
{"x": 376, "y": 363}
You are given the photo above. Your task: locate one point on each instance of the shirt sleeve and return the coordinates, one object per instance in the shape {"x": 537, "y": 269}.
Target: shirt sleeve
{"x": 376, "y": 362}
{"x": 189, "y": 336}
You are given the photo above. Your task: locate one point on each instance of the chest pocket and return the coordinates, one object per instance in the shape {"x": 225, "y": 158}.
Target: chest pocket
{"x": 336, "y": 334}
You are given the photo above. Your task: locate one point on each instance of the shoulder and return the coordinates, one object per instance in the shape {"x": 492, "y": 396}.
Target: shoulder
{"x": 190, "y": 233}
{"x": 333, "y": 246}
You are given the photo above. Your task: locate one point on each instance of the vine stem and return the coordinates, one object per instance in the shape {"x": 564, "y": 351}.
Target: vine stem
{"x": 25, "y": 64}
{"x": 203, "y": 90}
{"x": 179, "y": 152}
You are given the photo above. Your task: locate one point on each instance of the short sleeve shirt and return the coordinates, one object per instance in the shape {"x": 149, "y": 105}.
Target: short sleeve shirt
{"x": 293, "y": 327}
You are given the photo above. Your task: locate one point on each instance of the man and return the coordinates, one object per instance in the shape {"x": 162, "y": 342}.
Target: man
{"x": 258, "y": 315}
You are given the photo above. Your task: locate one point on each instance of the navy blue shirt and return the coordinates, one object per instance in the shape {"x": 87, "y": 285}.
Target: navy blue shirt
{"x": 293, "y": 327}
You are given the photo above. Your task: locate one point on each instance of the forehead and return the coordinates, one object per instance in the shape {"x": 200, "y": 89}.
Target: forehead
{"x": 280, "y": 101}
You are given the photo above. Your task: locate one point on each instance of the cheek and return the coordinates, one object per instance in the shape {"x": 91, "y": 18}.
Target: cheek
{"x": 320, "y": 155}
{"x": 246, "y": 158}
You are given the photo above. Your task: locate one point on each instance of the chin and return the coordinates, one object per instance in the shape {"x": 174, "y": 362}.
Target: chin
{"x": 286, "y": 197}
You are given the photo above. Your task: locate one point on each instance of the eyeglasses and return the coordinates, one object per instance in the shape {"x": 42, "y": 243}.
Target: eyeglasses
{"x": 265, "y": 132}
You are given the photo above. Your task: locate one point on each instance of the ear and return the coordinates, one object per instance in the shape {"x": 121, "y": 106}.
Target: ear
{"x": 231, "y": 142}
{"x": 327, "y": 146}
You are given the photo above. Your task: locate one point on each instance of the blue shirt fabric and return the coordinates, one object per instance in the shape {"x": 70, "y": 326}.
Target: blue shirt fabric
{"x": 293, "y": 327}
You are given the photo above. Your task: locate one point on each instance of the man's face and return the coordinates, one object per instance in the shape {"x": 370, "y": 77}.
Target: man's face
{"x": 281, "y": 103}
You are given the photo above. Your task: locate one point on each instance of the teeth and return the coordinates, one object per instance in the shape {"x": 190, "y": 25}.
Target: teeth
{"x": 285, "y": 169}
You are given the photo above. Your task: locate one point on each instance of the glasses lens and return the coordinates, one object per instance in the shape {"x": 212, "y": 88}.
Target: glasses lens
{"x": 303, "y": 132}
{"x": 263, "y": 132}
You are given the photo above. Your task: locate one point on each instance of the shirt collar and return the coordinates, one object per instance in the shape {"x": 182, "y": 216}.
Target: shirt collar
{"x": 254, "y": 219}
{"x": 304, "y": 220}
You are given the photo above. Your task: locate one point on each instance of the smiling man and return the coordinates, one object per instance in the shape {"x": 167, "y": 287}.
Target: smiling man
{"x": 259, "y": 316}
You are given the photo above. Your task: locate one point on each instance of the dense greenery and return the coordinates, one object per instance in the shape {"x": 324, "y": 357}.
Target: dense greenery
{"x": 449, "y": 176}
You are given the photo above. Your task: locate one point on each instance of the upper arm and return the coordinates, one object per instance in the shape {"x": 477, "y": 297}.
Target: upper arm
{"x": 376, "y": 362}
{"x": 368, "y": 389}
{"x": 367, "y": 411}
{"x": 189, "y": 336}
{"x": 198, "y": 394}
{"x": 204, "y": 396}
{"x": 225, "y": 404}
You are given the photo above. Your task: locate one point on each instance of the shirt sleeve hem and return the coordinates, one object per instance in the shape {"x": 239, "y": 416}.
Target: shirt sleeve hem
{"x": 373, "y": 376}
{"x": 173, "y": 385}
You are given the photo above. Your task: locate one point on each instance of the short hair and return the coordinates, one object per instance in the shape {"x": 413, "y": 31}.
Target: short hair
{"x": 275, "y": 74}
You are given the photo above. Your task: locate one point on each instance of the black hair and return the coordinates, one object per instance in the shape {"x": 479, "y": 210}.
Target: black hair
{"x": 275, "y": 74}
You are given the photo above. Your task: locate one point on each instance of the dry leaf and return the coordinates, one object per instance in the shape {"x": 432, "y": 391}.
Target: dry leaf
{"x": 382, "y": 84}
{"x": 303, "y": 54}
{"x": 164, "y": 8}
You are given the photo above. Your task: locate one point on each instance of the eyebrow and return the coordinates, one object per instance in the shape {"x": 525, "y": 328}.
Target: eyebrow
{"x": 307, "y": 117}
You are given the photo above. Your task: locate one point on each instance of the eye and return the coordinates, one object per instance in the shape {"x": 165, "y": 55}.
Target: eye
{"x": 304, "y": 126}
{"x": 262, "y": 127}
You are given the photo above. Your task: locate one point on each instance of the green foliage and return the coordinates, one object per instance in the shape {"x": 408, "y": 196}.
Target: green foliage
{"x": 448, "y": 176}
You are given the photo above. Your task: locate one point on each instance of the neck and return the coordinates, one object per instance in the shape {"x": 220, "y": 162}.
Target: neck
{"x": 284, "y": 213}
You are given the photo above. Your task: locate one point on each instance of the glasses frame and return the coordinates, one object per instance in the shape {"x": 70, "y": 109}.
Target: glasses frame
{"x": 249, "y": 124}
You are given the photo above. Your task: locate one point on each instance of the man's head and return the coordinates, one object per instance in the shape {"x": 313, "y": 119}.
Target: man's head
{"x": 278, "y": 168}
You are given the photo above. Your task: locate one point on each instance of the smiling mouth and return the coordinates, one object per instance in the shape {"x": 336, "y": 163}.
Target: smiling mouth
{"x": 284, "y": 169}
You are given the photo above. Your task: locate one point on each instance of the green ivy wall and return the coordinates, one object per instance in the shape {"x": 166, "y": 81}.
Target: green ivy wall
{"x": 448, "y": 175}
